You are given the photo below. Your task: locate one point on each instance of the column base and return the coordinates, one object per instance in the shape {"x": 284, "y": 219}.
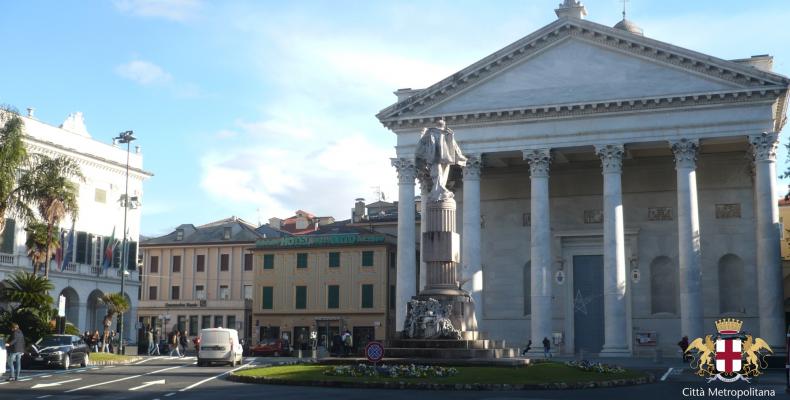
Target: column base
{"x": 612, "y": 351}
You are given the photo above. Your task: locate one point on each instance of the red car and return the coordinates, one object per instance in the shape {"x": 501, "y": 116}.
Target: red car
{"x": 272, "y": 347}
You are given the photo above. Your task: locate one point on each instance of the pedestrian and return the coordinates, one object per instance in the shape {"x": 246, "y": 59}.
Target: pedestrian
{"x": 174, "y": 340}
{"x": 348, "y": 342}
{"x": 684, "y": 345}
{"x": 149, "y": 336}
{"x": 111, "y": 341}
{"x": 106, "y": 336}
{"x": 546, "y": 348}
{"x": 16, "y": 348}
{"x": 526, "y": 349}
{"x": 95, "y": 341}
{"x": 184, "y": 342}
{"x": 156, "y": 344}
{"x": 196, "y": 342}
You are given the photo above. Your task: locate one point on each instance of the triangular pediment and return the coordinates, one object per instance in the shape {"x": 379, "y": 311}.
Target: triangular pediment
{"x": 577, "y": 63}
{"x": 576, "y": 71}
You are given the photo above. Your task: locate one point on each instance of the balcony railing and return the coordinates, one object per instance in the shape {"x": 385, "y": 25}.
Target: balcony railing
{"x": 7, "y": 259}
{"x": 69, "y": 269}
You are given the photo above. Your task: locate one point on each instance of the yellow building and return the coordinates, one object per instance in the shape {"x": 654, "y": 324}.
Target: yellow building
{"x": 784, "y": 221}
{"x": 335, "y": 279}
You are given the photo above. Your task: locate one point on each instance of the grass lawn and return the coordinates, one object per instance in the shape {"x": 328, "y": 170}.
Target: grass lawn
{"x": 535, "y": 374}
{"x": 109, "y": 357}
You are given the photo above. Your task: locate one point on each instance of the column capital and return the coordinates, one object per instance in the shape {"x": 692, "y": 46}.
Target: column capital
{"x": 539, "y": 162}
{"x": 611, "y": 156}
{"x": 406, "y": 170}
{"x": 685, "y": 151}
{"x": 474, "y": 163}
{"x": 764, "y": 146}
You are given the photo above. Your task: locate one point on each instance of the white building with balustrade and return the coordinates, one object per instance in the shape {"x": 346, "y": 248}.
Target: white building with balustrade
{"x": 83, "y": 280}
{"x": 620, "y": 191}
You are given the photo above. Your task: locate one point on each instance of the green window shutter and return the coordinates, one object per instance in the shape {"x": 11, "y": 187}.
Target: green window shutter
{"x": 267, "y": 301}
{"x": 268, "y": 261}
{"x": 81, "y": 245}
{"x": 367, "y": 258}
{"x": 392, "y": 297}
{"x": 367, "y": 296}
{"x": 301, "y": 260}
{"x": 7, "y": 239}
{"x": 131, "y": 256}
{"x": 334, "y": 260}
{"x": 333, "y": 296}
{"x": 301, "y": 297}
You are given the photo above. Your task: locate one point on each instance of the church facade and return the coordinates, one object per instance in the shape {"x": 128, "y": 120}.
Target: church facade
{"x": 620, "y": 192}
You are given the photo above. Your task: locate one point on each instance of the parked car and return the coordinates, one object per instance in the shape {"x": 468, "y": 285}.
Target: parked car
{"x": 272, "y": 347}
{"x": 219, "y": 345}
{"x": 57, "y": 350}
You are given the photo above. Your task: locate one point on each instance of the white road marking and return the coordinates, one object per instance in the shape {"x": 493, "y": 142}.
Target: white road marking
{"x": 44, "y": 396}
{"x": 25, "y": 380}
{"x": 45, "y": 385}
{"x": 159, "y": 382}
{"x": 147, "y": 359}
{"x": 45, "y": 376}
{"x": 4, "y": 383}
{"x": 109, "y": 366}
{"x": 122, "y": 379}
{"x": 669, "y": 371}
{"x": 170, "y": 394}
{"x": 214, "y": 377}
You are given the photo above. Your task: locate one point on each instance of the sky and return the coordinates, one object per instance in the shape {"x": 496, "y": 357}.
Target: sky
{"x": 260, "y": 108}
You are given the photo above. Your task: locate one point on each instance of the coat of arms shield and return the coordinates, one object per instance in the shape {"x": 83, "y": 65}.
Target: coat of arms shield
{"x": 728, "y": 355}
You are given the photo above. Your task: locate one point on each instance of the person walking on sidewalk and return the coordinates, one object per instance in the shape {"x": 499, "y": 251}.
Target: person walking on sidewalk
{"x": 184, "y": 342}
{"x": 174, "y": 341}
{"x": 546, "y": 348}
{"x": 527, "y": 349}
{"x": 149, "y": 336}
{"x": 684, "y": 345}
{"x": 16, "y": 348}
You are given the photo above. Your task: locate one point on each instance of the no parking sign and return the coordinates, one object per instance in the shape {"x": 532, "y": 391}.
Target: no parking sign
{"x": 374, "y": 351}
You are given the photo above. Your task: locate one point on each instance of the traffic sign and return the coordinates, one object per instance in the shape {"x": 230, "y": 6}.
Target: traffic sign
{"x": 374, "y": 351}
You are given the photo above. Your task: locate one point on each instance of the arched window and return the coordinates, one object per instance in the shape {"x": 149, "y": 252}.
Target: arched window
{"x": 663, "y": 285}
{"x": 731, "y": 291}
{"x": 527, "y": 288}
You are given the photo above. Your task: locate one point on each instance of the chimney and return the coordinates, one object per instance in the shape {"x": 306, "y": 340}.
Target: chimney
{"x": 405, "y": 93}
{"x": 275, "y": 223}
{"x": 763, "y": 62}
{"x": 571, "y": 9}
{"x": 30, "y": 112}
{"x": 359, "y": 210}
{"x": 137, "y": 149}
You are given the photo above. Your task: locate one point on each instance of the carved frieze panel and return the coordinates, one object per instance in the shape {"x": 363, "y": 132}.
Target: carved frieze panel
{"x": 659, "y": 214}
{"x": 725, "y": 211}
{"x": 593, "y": 216}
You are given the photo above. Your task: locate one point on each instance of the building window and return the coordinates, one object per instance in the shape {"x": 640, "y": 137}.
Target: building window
{"x": 82, "y": 252}
{"x": 333, "y": 296}
{"x": 231, "y": 322}
{"x": 224, "y": 292}
{"x": 367, "y": 258}
{"x": 247, "y": 292}
{"x": 176, "y": 263}
{"x": 248, "y": 262}
{"x": 392, "y": 297}
{"x": 267, "y": 298}
{"x": 200, "y": 292}
{"x": 154, "y": 265}
{"x": 181, "y": 323}
{"x": 301, "y": 260}
{"x": 100, "y": 196}
{"x": 152, "y": 292}
{"x": 663, "y": 286}
{"x": 179, "y": 235}
{"x": 175, "y": 293}
{"x": 218, "y": 321}
{"x": 7, "y": 239}
{"x": 393, "y": 260}
{"x": 301, "y": 297}
{"x": 367, "y": 296}
{"x": 224, "y": 262}
{"x": 226, "y": 233}
{"x": 205, "y": 322}
{"x": 527, "y": 288}
{"x": 268, "y": 261}
{"x": 200, "y": 263}
{"x": 731, "y": 284}
{"x": 334, "y": 259}
{"x": 193, "y": 327}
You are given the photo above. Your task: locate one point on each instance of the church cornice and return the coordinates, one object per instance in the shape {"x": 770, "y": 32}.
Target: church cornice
{"x": 698, "y": 63}
{"x": 54, "y": 150}
{"x": 776, "y": 95}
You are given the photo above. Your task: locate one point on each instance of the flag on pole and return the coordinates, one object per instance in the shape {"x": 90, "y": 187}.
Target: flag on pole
{"x": 68, "y": 255}
{"x": 109, "y": 248}
{"x": 59, "y": 251}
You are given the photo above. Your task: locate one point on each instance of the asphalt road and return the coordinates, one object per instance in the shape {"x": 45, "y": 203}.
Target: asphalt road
{"x": 179, "y": 378}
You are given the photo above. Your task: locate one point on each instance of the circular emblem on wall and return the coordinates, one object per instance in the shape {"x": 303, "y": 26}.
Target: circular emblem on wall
{"x": 559, "y": 277}
{"x": 374, "y": 351}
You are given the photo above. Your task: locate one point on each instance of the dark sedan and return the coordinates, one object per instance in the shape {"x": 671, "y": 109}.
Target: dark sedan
{"x": 58, "y": 350}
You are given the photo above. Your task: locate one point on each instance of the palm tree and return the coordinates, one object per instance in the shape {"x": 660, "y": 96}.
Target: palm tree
{"x": 39, "y": 249}
{"x": 116, "y": 304}
{"x": 31, "y": 305}
{"x": 13, "y": 158}
{"x": 48, "y": 184}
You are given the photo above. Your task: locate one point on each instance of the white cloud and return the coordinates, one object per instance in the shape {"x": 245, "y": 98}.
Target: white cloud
{"x": 143, "y": 72}
{"x": 174, "y": 10}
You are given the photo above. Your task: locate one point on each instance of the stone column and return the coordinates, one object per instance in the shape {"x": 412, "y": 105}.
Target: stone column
{"x": 407, "y": 258}
{"x": 769, "y": 267}
{"x": 425, "y": 188}
{"x": 690, "y": 272}
{"x": 470, "y": 239}
{"x": 614, "y": 272}
{"x": 540, "y": 237}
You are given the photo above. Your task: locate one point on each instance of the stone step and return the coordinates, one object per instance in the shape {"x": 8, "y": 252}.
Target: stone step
{"x": 448, "y": 353}
{"x": 441, "y": 344}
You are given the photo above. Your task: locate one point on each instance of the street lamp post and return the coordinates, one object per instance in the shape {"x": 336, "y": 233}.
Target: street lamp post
{"x": 124, "y": 137}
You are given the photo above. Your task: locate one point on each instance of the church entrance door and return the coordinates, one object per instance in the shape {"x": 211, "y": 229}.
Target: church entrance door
{"x": 588, "y": 302}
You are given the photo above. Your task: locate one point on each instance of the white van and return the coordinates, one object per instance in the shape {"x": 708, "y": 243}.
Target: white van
{"x": 219, "y": 345}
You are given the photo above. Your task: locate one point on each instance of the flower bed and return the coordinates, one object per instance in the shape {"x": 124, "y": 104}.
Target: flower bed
{"x": 391, "y": 371}
{"x": 585, "y": 365}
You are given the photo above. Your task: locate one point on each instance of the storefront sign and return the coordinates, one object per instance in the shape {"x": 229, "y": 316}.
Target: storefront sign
{"x": 182, "y": 304}
{"x": 320, "y": 240}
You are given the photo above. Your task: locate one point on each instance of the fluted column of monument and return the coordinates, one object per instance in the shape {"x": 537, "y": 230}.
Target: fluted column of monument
{"x": 690, "y": 272}
{"x": 769, "y": 267}
{"x": 425, "y": 189}
{"x": 441, "y": 248}
{"x": 406, "y": 281}
{"x": 470, "y": 238}
{"x": 614, "y": 273}
{"x": 540, "y": 236}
